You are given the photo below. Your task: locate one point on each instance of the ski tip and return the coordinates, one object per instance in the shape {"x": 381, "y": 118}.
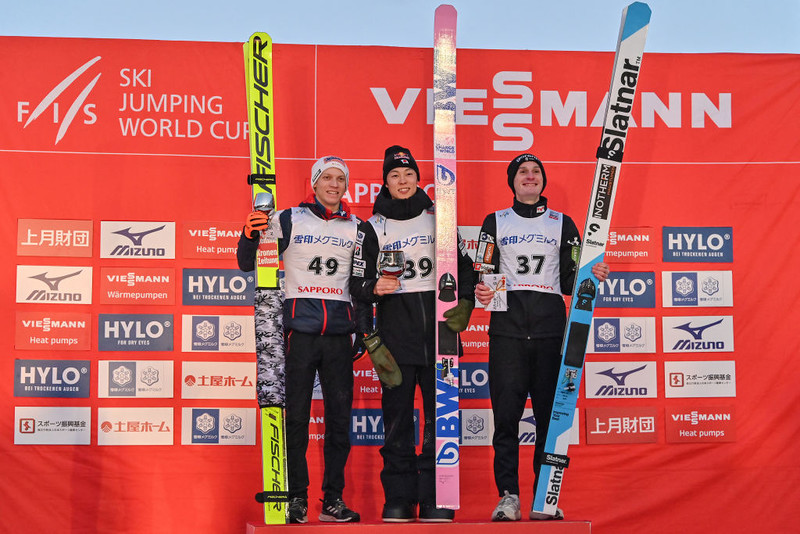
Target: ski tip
{"x": 445, "y": 10}
{"x": 260, "y": 36}
{"x": 636, "y": 17}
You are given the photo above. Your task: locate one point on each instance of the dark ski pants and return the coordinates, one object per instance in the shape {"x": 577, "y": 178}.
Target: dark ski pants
{"x": 409, "y": 478}
{"x": 517, "y": 368}
{"x": 332, "y": 356}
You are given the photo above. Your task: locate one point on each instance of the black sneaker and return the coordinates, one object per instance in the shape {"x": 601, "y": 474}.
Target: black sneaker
{"x": 298, "y": 508}
{"x": 398, "y": 513}
{"x": 428, "y": 513}
{"x": 335, "y": 510}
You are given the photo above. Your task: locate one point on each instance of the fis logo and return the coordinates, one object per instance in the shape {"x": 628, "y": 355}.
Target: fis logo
{"x": 146, "y": 240}
{"x": 78, "y": 107}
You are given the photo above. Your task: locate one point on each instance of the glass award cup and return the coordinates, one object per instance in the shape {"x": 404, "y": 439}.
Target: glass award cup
{"x": 264, "y": 202}
{"x": 391, "y": 262}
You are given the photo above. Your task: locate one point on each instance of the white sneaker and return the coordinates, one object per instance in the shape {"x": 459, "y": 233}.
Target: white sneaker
{"x": 507, "y": 509}
{"x": 539, "y": 516}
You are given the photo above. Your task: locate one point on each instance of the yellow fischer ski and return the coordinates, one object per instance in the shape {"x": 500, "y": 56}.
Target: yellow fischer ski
{"x": 270, "y": 391}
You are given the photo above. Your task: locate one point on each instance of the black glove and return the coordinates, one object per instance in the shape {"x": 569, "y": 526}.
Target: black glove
{"x": 359, "y": 349}
{"x": 458, "y": 316}
{"x": 387, "y": 369}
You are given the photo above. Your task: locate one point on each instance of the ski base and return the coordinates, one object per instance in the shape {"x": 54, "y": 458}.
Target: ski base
{"x": 627, "y": 61}
{"x": 448, "y": 421}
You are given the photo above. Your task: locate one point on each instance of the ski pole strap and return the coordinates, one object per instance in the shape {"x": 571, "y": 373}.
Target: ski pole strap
{"x": 557, "y": 460}
{"x": 260, "y": 179}
{"x": 272, "y": 496}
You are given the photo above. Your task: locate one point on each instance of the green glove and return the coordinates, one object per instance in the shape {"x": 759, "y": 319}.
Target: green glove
{"x": 458, "y": 316}
{"x": 382, "y": 359}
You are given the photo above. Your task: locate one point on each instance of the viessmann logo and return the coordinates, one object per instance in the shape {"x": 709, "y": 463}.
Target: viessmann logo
{"x": 79, "y": 107}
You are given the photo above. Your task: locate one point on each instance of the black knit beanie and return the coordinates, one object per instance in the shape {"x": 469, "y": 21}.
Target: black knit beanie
{"x": 513, "y": 167}
{"x": 397, "y": 156}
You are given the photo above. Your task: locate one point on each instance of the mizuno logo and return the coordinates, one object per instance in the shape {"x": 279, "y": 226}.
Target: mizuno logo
{"x": 53, "y": 282}
{"x": 619, "y": 378}
{"x": 74, "y": 108}
{"x": 136, "y": 237}
{"x": 697, "y": 331}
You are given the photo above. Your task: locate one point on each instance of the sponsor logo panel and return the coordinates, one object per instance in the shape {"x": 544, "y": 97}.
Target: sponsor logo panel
{"x": 218, "y": 380}
{"x": 135, "y": 426}
{"x": 631, "y": 245}
{"x": 628, "y": 290}
{"x": 620, "y": 380}
{"x": 218, "y": 333}
{"x": 700, "y": 424}
{"x": 52, "y": 331}
{"x": 218, "y": 287}
{"x": 365, "y": 381}
{"x": 700, "y": 379}
{"x": 630, "y": 424}
{"x": 475, "y": 339}
{"x": 527, "y": 428}
{"x": 138, "y": 378}
{"x": 54, "y": 237}
{"x": 477, "y": 427}
{"x": 52, "y": 378}
{"x": 712, "y": 333}
{"x": 218, "y": 426}
{"x": 137, "y": 239}
{"x": 622, "y": 334}
{"x": 135, "y": 332}
{"x": 211, "y": 240}
{"x": 704, "y": 244}
{"x": 52, "y": 425}
{"x": 473, "y": 380}
{"x": 366, "y": 426}
{"x": 53, "y": 284}
{"x": 137, "y": 285}
{"x": 697, "y": 288}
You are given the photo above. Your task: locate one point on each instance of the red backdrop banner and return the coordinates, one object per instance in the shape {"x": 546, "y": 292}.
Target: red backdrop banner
{"x": 100, "y": 138}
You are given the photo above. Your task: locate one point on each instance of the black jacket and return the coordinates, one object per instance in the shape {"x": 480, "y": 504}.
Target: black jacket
{"x": 405, "y": 321}
{"x": 535, "y": 314}
{"x": 307, "y": 315}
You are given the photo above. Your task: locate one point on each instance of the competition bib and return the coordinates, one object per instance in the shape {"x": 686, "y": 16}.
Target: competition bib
{"x": 318, "y": 257}
{"x": 529, "y": 250}
{"x": 416, "y": 238}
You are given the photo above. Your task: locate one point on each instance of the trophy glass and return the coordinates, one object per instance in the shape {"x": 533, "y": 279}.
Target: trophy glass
{"x": 391, "y": 262}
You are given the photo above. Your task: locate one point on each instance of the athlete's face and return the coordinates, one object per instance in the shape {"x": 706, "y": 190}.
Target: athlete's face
{"x": 330, "y": 188}
{"x": 401, "y": 182}
{"x": 528, "y": 182}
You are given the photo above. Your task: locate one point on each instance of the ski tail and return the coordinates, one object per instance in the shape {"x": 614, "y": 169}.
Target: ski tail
{"x": 270, "y": 362}
{"x": 624, "y": 79}
{"x": 448, "y": 421}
